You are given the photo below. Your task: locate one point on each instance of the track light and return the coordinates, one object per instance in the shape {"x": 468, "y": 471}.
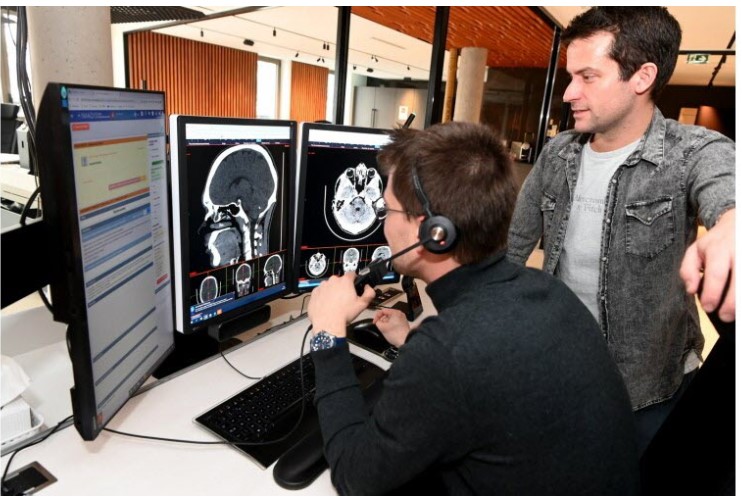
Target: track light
{"x": 202, "y": 33}
{"x": 297, "y": 55}
{"x": 408, "y": 67}
{"x": 274, "y": 31}
{"x": 248, "y": 42}
{"x": 370, "y": 70}
{"x": 354, "y": 66}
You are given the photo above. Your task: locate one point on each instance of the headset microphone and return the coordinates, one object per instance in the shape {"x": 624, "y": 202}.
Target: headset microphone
{"x": 374, "y": 273}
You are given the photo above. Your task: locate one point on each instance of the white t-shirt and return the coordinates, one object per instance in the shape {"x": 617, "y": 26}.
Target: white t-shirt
{"x": 579, "y": 262}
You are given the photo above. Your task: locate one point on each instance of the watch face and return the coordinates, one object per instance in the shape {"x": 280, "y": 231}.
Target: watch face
{"x": 321, "y": 341}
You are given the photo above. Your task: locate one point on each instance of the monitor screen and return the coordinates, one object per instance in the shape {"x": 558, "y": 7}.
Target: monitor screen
{"x": 339, "y": 182}
{"x": 102, "y": 167}
{"x": 232, "y": 184}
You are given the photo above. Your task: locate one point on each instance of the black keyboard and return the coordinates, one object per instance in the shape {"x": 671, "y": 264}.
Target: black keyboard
{"x": 269, "y": 409}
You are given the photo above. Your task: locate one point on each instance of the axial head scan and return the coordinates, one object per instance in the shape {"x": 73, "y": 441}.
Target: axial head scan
{"x": 272, "y": 270}
{"x": 383, "y": 252}
{"x": 242, "y": 277}
{"x": 350, "y": 259}
{"x": 209, "y": 289}
{"x": 317, "y": 265}
{"x": 356, "y": 190}
{"x": 239, "y": 197}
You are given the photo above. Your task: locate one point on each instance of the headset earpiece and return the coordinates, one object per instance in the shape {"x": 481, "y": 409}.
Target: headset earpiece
{"x": 436, "y": 231}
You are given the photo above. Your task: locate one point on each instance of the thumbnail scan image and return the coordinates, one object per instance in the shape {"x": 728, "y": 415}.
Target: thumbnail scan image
{"x": 272, "y": 270}
{"x": 239, "y": 198}
{"x": 317, "y": 265}
{"x": 382, "y": 252}
{"x": 209, "y": 289}
{"x": 352, "y": 205}
{"x": 350, "y": 259}
{"x": 242, "y": 277}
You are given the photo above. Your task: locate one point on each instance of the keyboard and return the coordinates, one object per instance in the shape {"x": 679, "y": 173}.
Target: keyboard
{"x": 269, "y": 409}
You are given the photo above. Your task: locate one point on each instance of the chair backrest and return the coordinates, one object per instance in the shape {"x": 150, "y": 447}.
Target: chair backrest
{"x": 693, "y": 452}
{"x": 10, "y": 122}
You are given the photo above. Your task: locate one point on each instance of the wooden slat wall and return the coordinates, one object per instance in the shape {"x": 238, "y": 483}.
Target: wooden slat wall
{"x": 308, "y": 92}
{"x": 198, "y": 78}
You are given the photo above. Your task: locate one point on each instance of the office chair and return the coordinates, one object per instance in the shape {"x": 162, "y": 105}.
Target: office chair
{"x": 693, "y": 451}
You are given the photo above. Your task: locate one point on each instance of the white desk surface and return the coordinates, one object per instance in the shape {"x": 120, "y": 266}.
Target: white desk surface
{"x": 120, "y": 465}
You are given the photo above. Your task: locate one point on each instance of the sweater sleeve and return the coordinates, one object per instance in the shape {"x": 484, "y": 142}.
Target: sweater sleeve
{"x": 415, "y": 423}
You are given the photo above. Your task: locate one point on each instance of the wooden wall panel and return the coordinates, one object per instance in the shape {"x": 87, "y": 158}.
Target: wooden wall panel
{"x": 308, "y": 92}
{"x": 197, "y": 78}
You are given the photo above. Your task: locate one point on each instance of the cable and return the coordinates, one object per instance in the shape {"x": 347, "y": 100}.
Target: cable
{"x": 55, "y": 429}
{"x": 234, "y": 368}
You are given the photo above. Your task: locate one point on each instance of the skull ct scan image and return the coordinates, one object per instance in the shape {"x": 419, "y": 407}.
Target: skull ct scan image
{"x": 350, "y": 259}
{"x": 317, "y": 265}
{"x": 242, "y": 277}
{"x": 239, "y": 197}
{"x": 209, "y": 289}
{"x": 272, "y": 270}
{"x": 382, "y": 252}
{"x": 356, "y": 191}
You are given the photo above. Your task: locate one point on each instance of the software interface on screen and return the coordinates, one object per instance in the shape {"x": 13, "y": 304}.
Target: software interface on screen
{"x": 231, "y": 242}
{"x": 118, "y": 155}
{"x": 337, "y": 227}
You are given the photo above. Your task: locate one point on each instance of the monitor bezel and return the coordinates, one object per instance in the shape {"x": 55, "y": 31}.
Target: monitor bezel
{"x": 56, "y": 180}
{"x": 303, "y": 149}
{"x": 181, "y": 248}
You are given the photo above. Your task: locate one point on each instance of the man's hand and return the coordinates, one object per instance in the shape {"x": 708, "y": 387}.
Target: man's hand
{"x": 713, "y": 256}
{"x": 393, "y": 324}
{"x": 334, "y": 304}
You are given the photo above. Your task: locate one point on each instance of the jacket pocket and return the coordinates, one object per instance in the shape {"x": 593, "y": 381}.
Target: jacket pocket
{"x": 548, "y": 204}
{"x": 650, "y": 226}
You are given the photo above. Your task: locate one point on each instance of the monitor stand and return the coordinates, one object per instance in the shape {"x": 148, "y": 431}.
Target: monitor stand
{"x": 193, "y": 348}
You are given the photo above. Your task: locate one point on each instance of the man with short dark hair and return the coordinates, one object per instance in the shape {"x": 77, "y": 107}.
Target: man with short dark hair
{"x": 509, "y": 389}
{"x": 616, "y": 203}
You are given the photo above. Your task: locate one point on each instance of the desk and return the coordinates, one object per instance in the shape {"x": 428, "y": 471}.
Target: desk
{"x": 119, "y": 465}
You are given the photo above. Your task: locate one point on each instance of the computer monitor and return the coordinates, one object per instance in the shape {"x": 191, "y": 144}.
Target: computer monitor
{"x": 339, "y": 182}
{"x": 102, "y": 168}
{"x": 233, "y": 183}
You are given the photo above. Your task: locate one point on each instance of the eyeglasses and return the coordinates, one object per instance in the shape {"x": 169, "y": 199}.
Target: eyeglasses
{"x": 382, "y": 211}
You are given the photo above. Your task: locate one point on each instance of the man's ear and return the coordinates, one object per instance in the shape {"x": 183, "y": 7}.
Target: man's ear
{"x": 644, "y": 78}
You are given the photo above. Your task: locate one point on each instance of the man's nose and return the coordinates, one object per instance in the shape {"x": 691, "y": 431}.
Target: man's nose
{"x": 571, "y": 92}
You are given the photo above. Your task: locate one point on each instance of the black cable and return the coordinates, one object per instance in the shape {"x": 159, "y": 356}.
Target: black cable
{"x": 27, "y": 206}
{"x": 238, "y": 443}
{"x": 55, "y": 429}
{"x": 234, "y": 368}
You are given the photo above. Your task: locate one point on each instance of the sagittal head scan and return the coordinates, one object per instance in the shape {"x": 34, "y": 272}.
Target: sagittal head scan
{"x": 317, "y": 265}
{"x": 209, "y": 289}
{"x": 383, "y": 252}
{"x": 350, "y": 259}
{"x": 272, "y": 270}
{"x": 239, "y": 198}
{"x": 242, "y": 277}
{"x": 356, "y": 190}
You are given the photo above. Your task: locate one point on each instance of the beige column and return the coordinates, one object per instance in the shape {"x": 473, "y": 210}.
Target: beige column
{"x": 453, "y": 62}
{"x": 470, "y": 84}
{"x": 70, "y": 45}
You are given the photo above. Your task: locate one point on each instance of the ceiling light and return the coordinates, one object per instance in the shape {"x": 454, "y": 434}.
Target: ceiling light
{"x": 202, "y": 33}
{"x": 354, "y": 66}
{"x": 408, "y": 67}
{"x": 249, "y": 42}
{"x": 297, "y": 55}
{"x": 370, "y": 70}
{"x": 274, "y": 31}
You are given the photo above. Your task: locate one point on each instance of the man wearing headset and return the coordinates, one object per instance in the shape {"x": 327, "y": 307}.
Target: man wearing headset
{"x": 509, "y": 389}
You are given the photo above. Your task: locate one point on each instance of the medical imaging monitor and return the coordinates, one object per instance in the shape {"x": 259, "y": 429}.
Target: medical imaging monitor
{"x": 102, "y": 167}
{"x": 232, "y": 184}
{"x": 339, "y": 184}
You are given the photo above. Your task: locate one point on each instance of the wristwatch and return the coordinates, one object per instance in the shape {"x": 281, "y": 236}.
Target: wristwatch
{"x": 323, "y": 340}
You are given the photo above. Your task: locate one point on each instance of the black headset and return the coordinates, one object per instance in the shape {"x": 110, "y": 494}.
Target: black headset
{"x": 437, "y": 232}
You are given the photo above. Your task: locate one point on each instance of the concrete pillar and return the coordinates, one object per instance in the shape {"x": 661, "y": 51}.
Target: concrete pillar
{"x": 470, "y": 84}
{"x": 453, "y": 61}
{"x": 70, "y": 45}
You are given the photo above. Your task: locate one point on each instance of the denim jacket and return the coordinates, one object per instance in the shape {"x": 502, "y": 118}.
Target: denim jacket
{"x": 678, "y": 175}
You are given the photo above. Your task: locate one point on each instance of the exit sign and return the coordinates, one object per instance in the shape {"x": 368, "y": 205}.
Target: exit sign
{"x": 698, "y": 58}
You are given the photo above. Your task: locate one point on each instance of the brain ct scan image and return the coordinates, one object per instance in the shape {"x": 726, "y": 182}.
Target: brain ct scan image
{"x": 317, "y": 265}
{"x": 209, "y": 289}
{"x": 239, "y": 197}
{"x": 350, "y": 259}
{"x": 356, "y": 190}
{"x": 272, "y": 270}
{"x": 242, "y": 277}
{"x": 383, "y": 252}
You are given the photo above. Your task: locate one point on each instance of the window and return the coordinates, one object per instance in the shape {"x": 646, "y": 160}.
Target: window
{"x": 268, "y": 85}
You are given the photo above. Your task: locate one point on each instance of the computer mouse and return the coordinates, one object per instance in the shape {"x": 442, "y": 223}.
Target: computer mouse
{"x": 365, "y": 324}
